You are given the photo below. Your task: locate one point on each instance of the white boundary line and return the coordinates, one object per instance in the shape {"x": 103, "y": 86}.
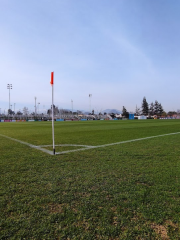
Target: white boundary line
{"x": 117, "y": 143}
{"x": 28, "y": 144}
{"x": 65, "y": 145}
{"x": 86, "y": 147}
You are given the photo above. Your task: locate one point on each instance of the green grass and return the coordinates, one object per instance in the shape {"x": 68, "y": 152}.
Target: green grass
{"x": 127, "y": 191}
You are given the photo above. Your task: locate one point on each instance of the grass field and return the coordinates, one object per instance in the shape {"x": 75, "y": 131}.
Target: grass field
{"x": 128, "y": 190}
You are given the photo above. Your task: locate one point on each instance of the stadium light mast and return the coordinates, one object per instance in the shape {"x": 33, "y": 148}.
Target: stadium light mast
{"x": 14, "y": 107}
{"x": 9, "y": 86}
{"x": 35, "y": 105}
{"x": 90, "y": 96}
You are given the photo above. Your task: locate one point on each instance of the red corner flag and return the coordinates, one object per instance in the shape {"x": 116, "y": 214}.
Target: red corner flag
{"x": 52, "y": 84}
{"x": 52, "y": 78}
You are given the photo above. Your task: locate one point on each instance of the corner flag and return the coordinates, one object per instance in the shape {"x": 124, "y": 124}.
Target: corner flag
{"x": 52, "y": 78}
{"x": 52, "y": 84}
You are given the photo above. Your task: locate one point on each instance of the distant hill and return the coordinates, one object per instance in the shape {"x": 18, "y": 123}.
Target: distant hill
{"x": 108, "y": 111}
{"x": 116, "y": 111}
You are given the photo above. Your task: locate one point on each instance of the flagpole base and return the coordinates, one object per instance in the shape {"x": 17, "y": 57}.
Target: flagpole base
{"x": 54, "y": 151}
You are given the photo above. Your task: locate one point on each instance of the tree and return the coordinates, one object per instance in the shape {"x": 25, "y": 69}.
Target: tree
{"x": 49, "y": 111}
{"x": 164, "y": 114}
{"x": 112, "y": 115}
{"x": 55, "y": 110}
{"x": 25, "y": 111}
{"x": 19, "y": 113}
{"x": 137, "y": 111}
{"x": 156, "y": 108}
{"x": 10, "y": 111}
{"x": 151, "y": 109}
{"x": 171, "y": 113}
{"x": 161, "y": 110}
{"x": 124, "y": 112}
{"x": 145, "y": 108}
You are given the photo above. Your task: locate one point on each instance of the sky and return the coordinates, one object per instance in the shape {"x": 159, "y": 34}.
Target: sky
{"x": 117, "y": 50}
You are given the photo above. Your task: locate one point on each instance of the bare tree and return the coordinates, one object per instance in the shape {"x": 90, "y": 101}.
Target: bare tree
{"x": 25, "y": 111}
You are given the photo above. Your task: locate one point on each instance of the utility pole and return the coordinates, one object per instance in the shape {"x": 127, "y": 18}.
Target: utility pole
{"x": 72, "y": 106}
{"x": 90, "y": 96}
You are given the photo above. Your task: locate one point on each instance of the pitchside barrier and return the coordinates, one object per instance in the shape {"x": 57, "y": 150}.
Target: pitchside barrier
{"x": 142, "y": 117}
{"x": 7, "y": 120}
{"x": 62, "y": 120}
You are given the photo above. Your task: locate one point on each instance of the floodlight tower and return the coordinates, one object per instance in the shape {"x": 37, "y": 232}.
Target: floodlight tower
{"x": 90, "y": 96}
{"x": 9, "y": 86}
{"x": 35, "y": 105}
{"x": 14, "y": 107}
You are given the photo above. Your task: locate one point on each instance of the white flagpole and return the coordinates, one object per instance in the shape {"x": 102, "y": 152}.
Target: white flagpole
{"x": 53, "y": 114}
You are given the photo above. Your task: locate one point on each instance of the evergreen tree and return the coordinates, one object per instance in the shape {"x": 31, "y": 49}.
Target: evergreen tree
{"x": 156, "y": 108}
{"x": 145, "y": 108}
{"x": 161, "y": 110}
{"x": 124, "y": 112}
{"x": 151, "y": 109}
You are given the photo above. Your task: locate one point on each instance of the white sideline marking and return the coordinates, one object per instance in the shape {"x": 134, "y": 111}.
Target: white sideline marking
{"x": 86, "y": 147}
{"x": 28, "y": 144}
{"x": 65, "y": 145}
{"x": 111, "y": 144}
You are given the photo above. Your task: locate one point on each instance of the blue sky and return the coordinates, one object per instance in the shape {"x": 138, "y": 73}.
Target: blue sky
{"x": 119, "y": 51}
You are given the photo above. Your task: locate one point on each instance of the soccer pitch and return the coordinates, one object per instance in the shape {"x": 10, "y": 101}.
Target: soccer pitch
{"x": 108, "y": 180}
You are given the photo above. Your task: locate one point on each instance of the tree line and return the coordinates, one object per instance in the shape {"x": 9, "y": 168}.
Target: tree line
{"x": 154, "y": 108}
{"x": 151, "y": 109}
